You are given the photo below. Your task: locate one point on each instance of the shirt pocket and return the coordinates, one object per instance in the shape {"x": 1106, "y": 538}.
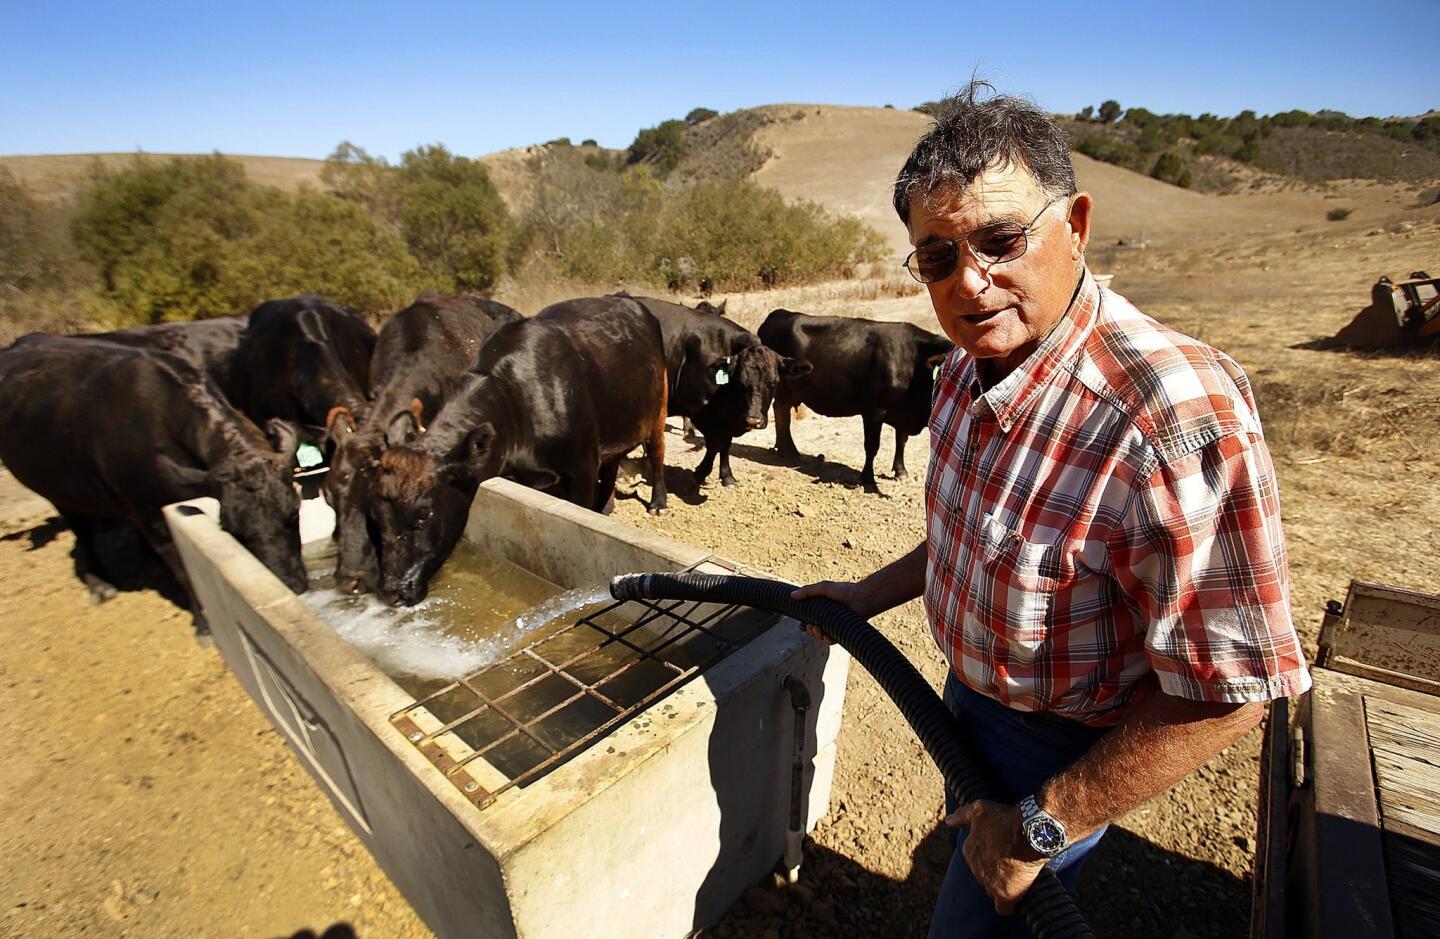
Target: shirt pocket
{"x": 1020, "y": 581}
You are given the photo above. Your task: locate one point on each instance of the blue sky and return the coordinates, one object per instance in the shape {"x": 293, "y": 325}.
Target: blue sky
{"x": 296, "y": 78}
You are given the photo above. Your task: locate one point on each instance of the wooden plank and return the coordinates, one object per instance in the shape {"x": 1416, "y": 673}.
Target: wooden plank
{"x": 1405, "y": 750}
{"x": 1387, "y": 634}
{"x": 1351, "y": 895}
{"x": 1267, "y": 898}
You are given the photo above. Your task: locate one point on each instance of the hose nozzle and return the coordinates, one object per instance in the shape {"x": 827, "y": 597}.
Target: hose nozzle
{"x": 630, "y": 586}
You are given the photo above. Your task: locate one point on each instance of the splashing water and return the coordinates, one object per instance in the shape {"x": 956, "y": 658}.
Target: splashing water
{"x": 478, "y": 611}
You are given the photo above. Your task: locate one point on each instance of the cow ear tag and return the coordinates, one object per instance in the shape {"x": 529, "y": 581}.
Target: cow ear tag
{"x": 308, "y": 455}
{"x": 934, "y": 373}
{"x": 722, "y": 377}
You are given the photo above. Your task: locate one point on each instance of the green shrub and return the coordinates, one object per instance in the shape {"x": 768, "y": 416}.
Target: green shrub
{"x": 629, "y": 227}
{"x": 1338, "y": 214}
{"x": 192, "y": 237}
{"x": 699, "y": 115}
{"x": 1110, "y": 111}
{"x": 660, "y": 147}
{"x": 444, "y": 206}
{"x": 589, "y": 142}
{"x": 1169, "y": 168}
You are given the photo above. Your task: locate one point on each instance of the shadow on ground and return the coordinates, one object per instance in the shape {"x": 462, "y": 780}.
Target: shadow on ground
{"x": 130, "y": 563}
{"x": 1130, "y": 888}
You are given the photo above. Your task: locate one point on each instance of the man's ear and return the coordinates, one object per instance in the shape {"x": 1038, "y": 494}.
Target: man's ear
{"x": 1081, "y": 209}
{"x": 794, "y": 368}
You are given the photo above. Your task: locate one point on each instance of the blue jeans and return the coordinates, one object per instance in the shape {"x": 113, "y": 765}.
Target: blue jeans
{"x": 1024, "y": 750}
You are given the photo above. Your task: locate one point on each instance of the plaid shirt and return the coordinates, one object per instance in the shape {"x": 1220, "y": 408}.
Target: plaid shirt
{"x": 1105, "y": 518}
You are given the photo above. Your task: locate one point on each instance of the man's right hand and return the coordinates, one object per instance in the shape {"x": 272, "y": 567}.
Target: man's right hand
{"x": 848, "y": 593}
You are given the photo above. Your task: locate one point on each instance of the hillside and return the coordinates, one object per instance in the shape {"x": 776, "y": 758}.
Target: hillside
{"x": 846, "y": 158}
{"x": 50, "y": 177}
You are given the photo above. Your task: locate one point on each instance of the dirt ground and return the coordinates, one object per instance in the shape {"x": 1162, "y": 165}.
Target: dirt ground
{"x": 144, "y": 795}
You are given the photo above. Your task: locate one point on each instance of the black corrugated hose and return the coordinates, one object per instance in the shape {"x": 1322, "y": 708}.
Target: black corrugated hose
{"x": 1047, "y": 907}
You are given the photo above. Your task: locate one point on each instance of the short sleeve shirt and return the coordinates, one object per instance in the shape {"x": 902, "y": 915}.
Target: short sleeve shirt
{"x": 1104, "y": 521}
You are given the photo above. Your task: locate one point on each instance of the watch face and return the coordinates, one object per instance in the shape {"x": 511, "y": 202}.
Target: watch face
{"x": 1046, "y": 836}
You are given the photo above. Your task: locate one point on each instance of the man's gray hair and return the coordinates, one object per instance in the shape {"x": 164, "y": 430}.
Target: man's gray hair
{"x": 971, "y": 133}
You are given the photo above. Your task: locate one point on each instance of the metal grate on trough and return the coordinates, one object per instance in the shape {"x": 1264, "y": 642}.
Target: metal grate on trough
{"x": 545, "y": 703}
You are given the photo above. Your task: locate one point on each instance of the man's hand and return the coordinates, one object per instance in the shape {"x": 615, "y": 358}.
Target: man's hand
{"x": 846, "y": 593}
{"x": 998, "y": 854}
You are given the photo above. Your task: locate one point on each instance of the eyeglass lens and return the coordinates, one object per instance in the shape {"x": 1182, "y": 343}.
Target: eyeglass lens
{"x": 994, "y": 244}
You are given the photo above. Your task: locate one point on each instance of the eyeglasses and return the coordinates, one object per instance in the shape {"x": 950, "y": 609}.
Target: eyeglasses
{"x": 991, "y": 244}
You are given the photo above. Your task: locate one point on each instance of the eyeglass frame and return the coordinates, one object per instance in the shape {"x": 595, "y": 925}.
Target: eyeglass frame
{"x": 964, "y": 239}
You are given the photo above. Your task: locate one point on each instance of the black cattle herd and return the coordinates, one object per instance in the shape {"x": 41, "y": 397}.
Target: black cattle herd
{"x": 452, "y": 391}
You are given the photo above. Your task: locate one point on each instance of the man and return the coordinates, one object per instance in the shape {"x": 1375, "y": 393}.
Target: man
{"x": 1103, "y": 566}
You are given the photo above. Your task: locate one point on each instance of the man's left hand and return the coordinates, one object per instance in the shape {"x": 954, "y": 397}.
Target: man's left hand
{"x": 996, "y": 849}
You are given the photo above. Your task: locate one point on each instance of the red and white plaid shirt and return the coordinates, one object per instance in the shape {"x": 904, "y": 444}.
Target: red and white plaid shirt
{"x": 1106, "y": 513}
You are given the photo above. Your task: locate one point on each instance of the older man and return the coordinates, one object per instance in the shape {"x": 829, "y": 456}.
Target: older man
{"x": 1103, "y": 565}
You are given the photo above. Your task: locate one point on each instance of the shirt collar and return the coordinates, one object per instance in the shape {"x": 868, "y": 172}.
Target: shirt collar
{"x": 1009, "y": 397}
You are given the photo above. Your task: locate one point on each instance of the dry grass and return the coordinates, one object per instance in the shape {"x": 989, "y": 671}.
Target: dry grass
{"x": 56, "y": 176}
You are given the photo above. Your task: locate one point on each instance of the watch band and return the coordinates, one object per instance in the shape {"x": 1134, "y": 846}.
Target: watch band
{"x": 1045, "y": 833}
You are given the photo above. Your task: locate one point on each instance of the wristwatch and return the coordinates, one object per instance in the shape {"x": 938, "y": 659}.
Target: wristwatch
{"x": 1044, "y": 832}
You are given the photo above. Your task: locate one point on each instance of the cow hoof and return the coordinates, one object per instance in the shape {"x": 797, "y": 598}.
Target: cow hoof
{"x": 870, "y": 487}
{"x": 658, "y": 510}
{"x": 728, "y": 481}
{"x": 99, "y": 593}
{"x": 901, "y": 475}
{"x": 205, "y": 640}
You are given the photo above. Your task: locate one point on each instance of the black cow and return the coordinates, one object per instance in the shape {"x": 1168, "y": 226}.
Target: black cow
{"x": 721, "y": 377}
{"x": 420, "y": 356}
{"x": 108, "y": 431}
{"x": 554, "y": 402}
{"x": 301, "y": 358}
{"x": 210, "y": 345}
{"x": 881, "y": 371}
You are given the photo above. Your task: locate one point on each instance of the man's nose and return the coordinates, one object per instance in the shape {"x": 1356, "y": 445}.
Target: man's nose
{"x": 974, "y": 276}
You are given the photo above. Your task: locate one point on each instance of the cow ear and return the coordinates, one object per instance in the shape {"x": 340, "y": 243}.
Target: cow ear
{"x": 935, "y": 361}
{"x": 401, "y": 430}
{"x": 476, "y": 447}
{"x": 721, "y": 308}
{"x": 794, "y": 368}
{"x": 284, "y": 436}
{"x": 186, "y": 475}
{"x": 339, "y": 424}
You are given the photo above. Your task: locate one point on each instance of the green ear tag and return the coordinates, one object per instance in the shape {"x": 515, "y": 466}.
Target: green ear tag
{"x": 935, "y": 373}
{"x": 308, "y": 455}
{"x": 722, "y": 377}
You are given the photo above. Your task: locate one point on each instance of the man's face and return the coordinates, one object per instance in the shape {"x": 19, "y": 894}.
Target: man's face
{"x": 1001, "y": 312}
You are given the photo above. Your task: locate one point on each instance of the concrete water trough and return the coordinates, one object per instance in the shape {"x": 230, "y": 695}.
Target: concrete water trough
{"x": 645, "y": 813}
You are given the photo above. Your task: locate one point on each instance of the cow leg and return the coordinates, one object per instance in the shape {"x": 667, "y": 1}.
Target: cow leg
{"x": 874, "y": 423}
{"x": 727, "y": 478}
{"x": 784, "y": 443}
{"x": 157, "y": 533}
{"x": 655, "y": 451}
{"x": 605, "y": 489}
{"x": 707, "y": 463}
{"x": 88, "y": 565}
{"x": 898, "y": 467}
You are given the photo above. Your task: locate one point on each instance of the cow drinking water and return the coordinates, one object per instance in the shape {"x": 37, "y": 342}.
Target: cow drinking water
{"x": 107, "y": 431}
{"x": 554, "y": 402}
{"x": 420, "y": 357}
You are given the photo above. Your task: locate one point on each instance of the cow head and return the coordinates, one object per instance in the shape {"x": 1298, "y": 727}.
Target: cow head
{"x": 260, "y": 507}
{"x": 711, "y": 309}
{"x": 422, "y": 497}
{"x": 349, "y": 489}
{"x": 756, "y": 372}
